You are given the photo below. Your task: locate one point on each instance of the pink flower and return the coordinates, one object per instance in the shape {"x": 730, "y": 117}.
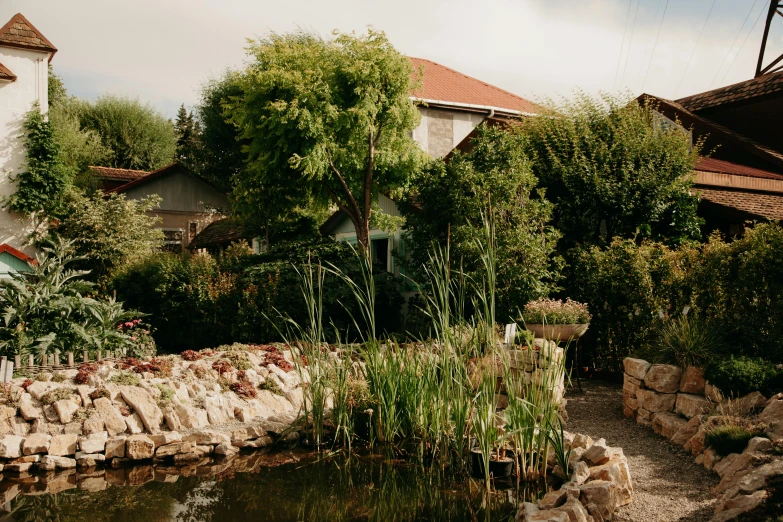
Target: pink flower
{"x": 133, "y": 338}
{"x": 128, "y": 325}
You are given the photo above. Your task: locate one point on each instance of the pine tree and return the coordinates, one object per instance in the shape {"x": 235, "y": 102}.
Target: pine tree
{"x": 187, "y": 129}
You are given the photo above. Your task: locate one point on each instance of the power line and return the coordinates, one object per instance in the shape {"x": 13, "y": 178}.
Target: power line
{"x": 743, "y": 45}
{"x": 625, "y": 30}
{"x": 630, "y": 42}
{"x": 694, "y": 49}
{"x": 734, "y": 42}
{"x": 655, "y": 45}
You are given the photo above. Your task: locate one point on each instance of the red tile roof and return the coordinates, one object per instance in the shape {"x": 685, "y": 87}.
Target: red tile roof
{"x": 111, "y": 173}
{"x": 726, "y": 167}
{"x": 20, "y": 33}
{"x": 6, "y": 75}
{"x": 444, "y": 84}
{"x": 763, "y": 206}
{"x": 768, "y": 84}
{"x": 5, "y": 247}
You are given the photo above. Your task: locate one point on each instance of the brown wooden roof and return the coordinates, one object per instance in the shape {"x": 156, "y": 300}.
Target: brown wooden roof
{"x": 763, "y": 86}
{"x": 114, "y": 174}
{"x": 727, "y": 167}
{"x": 219, "y": 233}
{"x": 758, "y": 205}
{"x": 20, "y": 33}
{"x": 6, "y": 75}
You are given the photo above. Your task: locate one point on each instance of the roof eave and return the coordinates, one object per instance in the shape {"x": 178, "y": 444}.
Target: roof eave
{"x": 472, "y": 107}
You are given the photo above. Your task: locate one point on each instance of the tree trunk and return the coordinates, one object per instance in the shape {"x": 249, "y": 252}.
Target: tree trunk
{"x": 363, "y": 236}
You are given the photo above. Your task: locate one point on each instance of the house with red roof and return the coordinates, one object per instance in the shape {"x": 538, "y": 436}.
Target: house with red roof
{"x": 452, "y": 105}
{"x": 25, "y": 54}
{"x": 742, "y": 179}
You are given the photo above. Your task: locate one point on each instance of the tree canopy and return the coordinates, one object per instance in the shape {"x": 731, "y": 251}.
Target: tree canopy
{"x": 326, "y": 121}
{"x": 614, "y": 168}
{"x": 452, "y": 199}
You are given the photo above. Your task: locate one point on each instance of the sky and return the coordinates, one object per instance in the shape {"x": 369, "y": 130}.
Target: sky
{"x": 163, "y": 51}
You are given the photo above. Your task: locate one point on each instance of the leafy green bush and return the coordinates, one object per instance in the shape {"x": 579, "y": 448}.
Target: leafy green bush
{"x": 729, "y": 439}
{"x": 199, "y": 301}
{"x": 738, "y": 376}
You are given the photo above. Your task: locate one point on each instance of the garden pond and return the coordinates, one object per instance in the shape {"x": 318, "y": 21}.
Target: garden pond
{"x": 277, "y": 486}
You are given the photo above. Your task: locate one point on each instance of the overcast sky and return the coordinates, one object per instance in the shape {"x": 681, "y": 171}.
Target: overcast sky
{"x": 162, "y": 51}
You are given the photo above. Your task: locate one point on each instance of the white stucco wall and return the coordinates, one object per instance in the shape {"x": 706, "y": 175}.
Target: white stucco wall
{"x": 441, "y": 130}
{"x": 17, "y": 98}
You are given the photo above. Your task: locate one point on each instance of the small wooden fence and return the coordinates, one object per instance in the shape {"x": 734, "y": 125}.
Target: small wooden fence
{"x": 54, "y": 362}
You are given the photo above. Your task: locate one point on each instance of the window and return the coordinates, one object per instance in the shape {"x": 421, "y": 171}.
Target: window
{"x": 172, "y": 240}
{"x": 192, "y": 231}
{"x": 380, "y": 251}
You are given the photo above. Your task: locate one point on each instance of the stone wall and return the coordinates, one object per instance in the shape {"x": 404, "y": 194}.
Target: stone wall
{"x": 681, "y": 406}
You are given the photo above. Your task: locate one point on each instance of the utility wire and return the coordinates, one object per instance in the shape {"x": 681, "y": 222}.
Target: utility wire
{"x": 655, "y": 45}
{"x": 743, "y": 45}
{"x": 734, "y": 42}
{"x": 694, "y": 50}
{"x": 630, "y": 42}
{"x": 622, "y": 45}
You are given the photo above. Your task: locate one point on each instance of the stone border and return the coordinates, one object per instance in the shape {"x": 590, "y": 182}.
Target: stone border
{"x": 678, "y": 404}
{"x": 600, "y": 482}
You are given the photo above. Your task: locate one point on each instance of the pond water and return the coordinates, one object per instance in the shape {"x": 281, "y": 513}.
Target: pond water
{"x": 281, "y": 486}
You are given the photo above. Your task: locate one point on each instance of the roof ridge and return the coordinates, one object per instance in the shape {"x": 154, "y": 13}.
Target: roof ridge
{"x": 19, "y": 17}
{"x": 766, "y": 78}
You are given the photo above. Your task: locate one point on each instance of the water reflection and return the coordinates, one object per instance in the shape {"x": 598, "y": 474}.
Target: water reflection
{"x": 283, "y": 486}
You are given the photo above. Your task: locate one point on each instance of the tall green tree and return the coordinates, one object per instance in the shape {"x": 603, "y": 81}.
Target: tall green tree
{"x": 325, "y": 120}
{"x": 452, "y": 199}
{"x": 55, "y": 89}
{"x": 187, "y": 130}
{"x": 138, "y": 136}
{"x": 614, "y": 168}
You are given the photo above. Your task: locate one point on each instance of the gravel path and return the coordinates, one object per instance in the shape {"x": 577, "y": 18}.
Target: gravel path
{"x": 667, "y": 484}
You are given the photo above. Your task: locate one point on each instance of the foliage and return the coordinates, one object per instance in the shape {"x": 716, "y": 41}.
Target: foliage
{"x": 166, "y": 394}
{"x": 187, "y": 129}
{"x": 138, "y": 136}
{"x": 40, "y": 187}
{"x": 728, "y": 438}
{"x": 56, "y": 91}
{"x": 45, "y": 309}
{"x": 109, "y": 231}
{"x": 57, "y": 394}
{"x": 448, "y": 208}
{"x": 555, "y": 311}
{"x": 686, "y": 340}
{"x": 244, "y": 389}
{"x": 738, "y": 376}
{"x": 126, "y": 379}
{"x": 100, "y": 393}
{"x": 326, "y": 121}
{"x": 198, "y": 301}
{"x": 614, "y": 168}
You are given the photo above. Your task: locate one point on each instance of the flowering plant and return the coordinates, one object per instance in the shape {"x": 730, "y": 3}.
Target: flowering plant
{"x": 555, "y": 311}
{"x": 138, "y": 333}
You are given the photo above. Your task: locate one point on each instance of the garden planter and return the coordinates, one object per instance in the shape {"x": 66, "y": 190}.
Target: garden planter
{"x": 558, "y": 332}
{"x": 498, "y": 468}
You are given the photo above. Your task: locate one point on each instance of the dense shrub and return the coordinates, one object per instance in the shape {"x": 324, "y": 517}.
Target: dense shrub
{"x": 199, "y": 301}
{"x": 686, "y": 340}
{"x": 729, "y": 439}
{"x": 738, "y": 376}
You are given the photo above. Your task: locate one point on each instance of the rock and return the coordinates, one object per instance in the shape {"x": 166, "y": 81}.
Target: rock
{"x": 51, "y": 462}
{"x": 696, "y": 443}
{"x": 581, "y": 441}
{"x": 667, "y": 424}
{"x": 260, "y": 442}
{"x": 686, "y": 432}
{"x": 65, "y": 409}
{"x": 773, "y": 417}
{"x": 636, "y": 368}
{"x": 73, "y": 427}
{"x": 36, "y": 443}
{"x": 226, "y": 450}
{"x": 134, "y": 424}
{"x": 616, "y": 471}
{"x": 139, "y": 447}
{"x": 95, "y": 443}
{"x": 40, "y": 388}
{"x": 172, "y": 419}
{"x": 664, "y": 378}
{"x": 256, "y": 431}
{"x": 94, "y": 424}
{"x": 744, "y": 405}
{"x": 658, "y": 402}
{"x": 596, "y": 454}
{"x": 692, "y": 381}
{"x": 115, "y": 447}
{"x": 63, "y": 445}
{"x": 691, "y": 405}
{"x": 219, "y": 410}
{"x": 11, "y": 446}
{"x": 164, "y": 438}
{"x": 601, "y": 496}
{"x": 191, "y": 417}
{"x": 113, "y": 420}
{"x": 143, "y": 404}
{"x": 580, "y": 473}
{"x": 630, "y": 385}
{"x": 84, "y": 394}
{"x": 211, "y": 437}
{"x": 174, "y": 448}
{"x": 195, "y": 453}
{"x": 575, "y": 511}
{"x": 712, "y": 393}
{"x": 89, "y": 460}
{"x": 645, "y": 414}
{"x": 710, "y": 458}
{"x": 732, "y": 508}
{"x": 239, "y": 435}
{"x": 29, "y": 410}
{"x": 18, "y": 467}
{"x": 758, "y": 444}
{"x": 553, "y": 515}
{"x": 643, "y": 421}
{"x": 724, "y": 464}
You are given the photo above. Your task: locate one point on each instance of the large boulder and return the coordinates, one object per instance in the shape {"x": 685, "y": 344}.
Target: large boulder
{"x": 636, "y": 368}
{"x": 139, "y": 447}
{"x": 664, "y": 378}
{"x": 144, "y": 405}
{"x": 207, "y": 437}
{"x": 11, "y": 446}
{"x": 219, "y": 409}
{"x": 95, "y": 443}
{"x": 191, "y": 417}
{"x": 65, "y": 409}
{"x": 36, "y": 443}
{"x": 772, "y": 416}
{"x": 113, "y": 420}
{"x": 692, "y": 405}
{"x": 63, "y": 445}
{"x": 115, "y": 447}
{"x": 667, "y": 424}
{"x": 654, "y": 402}
{"x": 692, "y": 381}
{"x": 686, "y": 432}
